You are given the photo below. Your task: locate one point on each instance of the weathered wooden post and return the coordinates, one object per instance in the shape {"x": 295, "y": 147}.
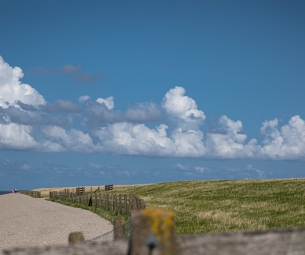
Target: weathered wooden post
{"x": 142, "y": 204}
{"x": 120, "y": 203}
{"x": 76, "y": 237}
{"x": 118, "y": 228}
{"x": 90, "y": 196}
{"x": 135, "y": 204}
{"x": 138, "y": 204}
{"x": 152, "y": 232}
{"x": 115, "y": 205}
{"x": 112, "y": 203}
{"x": 130, "y": 204}
{"x": 95, "y": 195}
{"x": 125, "y": 202}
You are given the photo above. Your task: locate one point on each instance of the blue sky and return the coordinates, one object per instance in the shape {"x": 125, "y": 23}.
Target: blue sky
{"x": 123, "y": 92}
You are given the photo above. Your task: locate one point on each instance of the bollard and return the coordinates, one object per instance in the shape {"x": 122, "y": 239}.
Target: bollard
{"x": 152, "y": 229}
{"x": 76, "y": 237}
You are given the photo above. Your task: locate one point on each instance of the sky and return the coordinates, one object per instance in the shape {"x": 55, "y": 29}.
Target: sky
{"x": 129, "y": 92}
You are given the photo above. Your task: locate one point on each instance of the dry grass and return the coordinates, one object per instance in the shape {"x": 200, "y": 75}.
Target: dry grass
{"x": 45, "y": 191}
{"x": 220, "y": 206}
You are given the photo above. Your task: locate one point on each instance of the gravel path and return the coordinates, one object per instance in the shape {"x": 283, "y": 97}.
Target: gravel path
{"x": 27, "y": 221}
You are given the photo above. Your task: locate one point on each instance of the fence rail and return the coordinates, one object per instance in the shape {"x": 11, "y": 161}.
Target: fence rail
{"x": 116, "y": 203}
{"x": 30, "y": 193}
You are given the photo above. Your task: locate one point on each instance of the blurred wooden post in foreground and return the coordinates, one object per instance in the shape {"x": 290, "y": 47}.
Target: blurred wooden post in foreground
{"x": 118, "y": 228}
{"x": 76, "y": 237}
{"x": 152, "y": 232}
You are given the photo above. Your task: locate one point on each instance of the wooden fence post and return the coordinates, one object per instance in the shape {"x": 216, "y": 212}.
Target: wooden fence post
{"x": 153, "y": 229}
{"x": 76, "y": 237}
{"x": 138, "y": 204}
{"x": 142, "y": 204}
{"x": 125, "y": 202}
{"x": 135, "y": 205}
{"x": 118, "y": 228}
{"x": 120, "y": 203}
{"x": 130, "y": 204}
{"x": 112, "y": 203}
{"x": 95, "y": 195}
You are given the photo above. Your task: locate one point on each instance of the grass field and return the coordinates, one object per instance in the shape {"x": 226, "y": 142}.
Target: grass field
{"x": 222, "y": 206}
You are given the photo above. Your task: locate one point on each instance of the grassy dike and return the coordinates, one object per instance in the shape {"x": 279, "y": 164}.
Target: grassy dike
{"x": 223, "y": 206}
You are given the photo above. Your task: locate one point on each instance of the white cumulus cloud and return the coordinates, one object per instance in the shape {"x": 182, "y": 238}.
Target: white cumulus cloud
{"x": 135, "y": 139}
{"x": 28, "y": 122}
{"x": 230, "y": 143}
{"x": 182, "y": 109}
{"x": 83, "y": 98}
{"x": 107, "y": 101}
{"x": 17, "y": 137}
{"x": 12, "y": 90}
{"x": 70, "y": 140}
{"x": 286, "y": 143}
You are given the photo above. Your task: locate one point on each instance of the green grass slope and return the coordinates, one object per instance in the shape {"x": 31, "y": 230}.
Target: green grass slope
{"x": 222, "y": 206}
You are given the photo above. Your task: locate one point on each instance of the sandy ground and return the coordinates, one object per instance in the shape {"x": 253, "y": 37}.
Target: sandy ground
{"x": 27, "y": 221}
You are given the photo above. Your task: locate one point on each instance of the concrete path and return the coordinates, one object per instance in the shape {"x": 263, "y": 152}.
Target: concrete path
{"x": 27, "y": 221}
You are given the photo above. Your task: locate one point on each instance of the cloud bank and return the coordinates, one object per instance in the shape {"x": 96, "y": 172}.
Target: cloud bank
{"x": 76, "y": 72}
{"x": 28, "y": 122}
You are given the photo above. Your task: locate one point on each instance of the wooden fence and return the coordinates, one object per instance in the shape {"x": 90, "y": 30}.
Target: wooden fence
{"x": 108, "y": 187}
{"x": 280, "y": 242}
{"x": 116, "y": 203}
{"x": 79, "y": 190}
{"x": 30, "y": 193}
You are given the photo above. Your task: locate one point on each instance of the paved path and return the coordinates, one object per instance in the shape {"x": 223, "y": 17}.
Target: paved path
{"x": 27, "y": 221}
